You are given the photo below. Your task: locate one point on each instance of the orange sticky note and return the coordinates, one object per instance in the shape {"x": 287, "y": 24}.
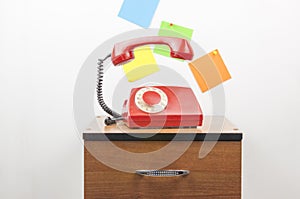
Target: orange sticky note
{"x": 209, "y": 70}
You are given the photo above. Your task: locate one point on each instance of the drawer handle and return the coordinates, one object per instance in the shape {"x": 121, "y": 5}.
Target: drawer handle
{"x": 162, "y": 173}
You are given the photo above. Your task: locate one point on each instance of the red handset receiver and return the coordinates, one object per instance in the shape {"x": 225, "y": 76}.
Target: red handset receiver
{"x": 179, "y": 48}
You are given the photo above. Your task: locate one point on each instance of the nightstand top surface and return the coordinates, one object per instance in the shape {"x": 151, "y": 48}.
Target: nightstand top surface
{"x": 213, "y": 128}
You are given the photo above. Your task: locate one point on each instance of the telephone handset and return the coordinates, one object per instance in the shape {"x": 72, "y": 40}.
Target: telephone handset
{"x": 179, "y": 48}
{"x": 153, "y": 106}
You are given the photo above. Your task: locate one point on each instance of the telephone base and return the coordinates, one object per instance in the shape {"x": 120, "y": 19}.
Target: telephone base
{"x": 177, "y": 108}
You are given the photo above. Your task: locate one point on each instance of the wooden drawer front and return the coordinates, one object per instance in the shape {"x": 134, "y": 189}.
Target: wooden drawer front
{"x": 218, "y": 175}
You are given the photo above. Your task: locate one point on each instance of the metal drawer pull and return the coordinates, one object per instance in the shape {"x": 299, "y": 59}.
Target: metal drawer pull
{"x": 162, "y": 173}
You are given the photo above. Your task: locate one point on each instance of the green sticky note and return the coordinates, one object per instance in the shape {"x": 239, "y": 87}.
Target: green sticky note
{"x": 171, "y": 30}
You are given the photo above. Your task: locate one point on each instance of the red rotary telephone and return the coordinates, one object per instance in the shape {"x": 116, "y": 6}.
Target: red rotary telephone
{"x": 154, "y": 106}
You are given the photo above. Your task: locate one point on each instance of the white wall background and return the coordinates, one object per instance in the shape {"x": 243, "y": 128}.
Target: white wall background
{"x": 44, "y": 43}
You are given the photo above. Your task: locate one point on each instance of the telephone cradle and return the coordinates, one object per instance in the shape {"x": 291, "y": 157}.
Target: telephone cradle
{"x": 162, "y": 106}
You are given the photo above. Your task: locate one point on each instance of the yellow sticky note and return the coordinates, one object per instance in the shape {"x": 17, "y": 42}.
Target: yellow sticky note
{"x": 209, "y": 70}
{"x": 142, "y": 65}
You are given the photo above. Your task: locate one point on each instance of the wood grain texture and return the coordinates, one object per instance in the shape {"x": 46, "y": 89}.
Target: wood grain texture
{"x": 218, "y": 175}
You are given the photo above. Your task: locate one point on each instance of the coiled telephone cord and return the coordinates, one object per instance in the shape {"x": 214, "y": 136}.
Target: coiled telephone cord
{"x": 116, "y": 116}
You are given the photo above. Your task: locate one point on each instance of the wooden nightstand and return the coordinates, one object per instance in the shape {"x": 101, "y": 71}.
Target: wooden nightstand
{"x": 217, "y": 175}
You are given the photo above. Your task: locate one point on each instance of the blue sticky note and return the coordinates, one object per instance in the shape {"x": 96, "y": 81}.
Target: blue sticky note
{"x": 139, "y": 12}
